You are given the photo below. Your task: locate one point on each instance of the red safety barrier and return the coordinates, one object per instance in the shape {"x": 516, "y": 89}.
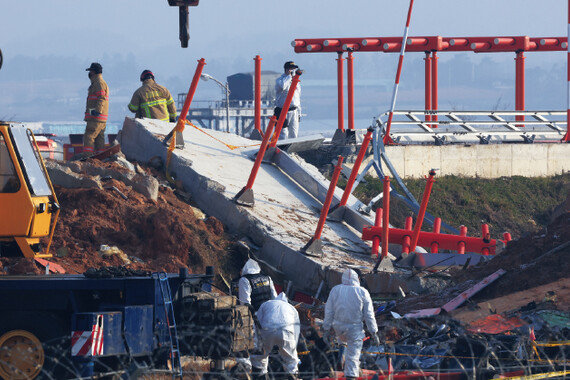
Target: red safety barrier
{"x": 355, "y": 168}
{"x": 422, "y": 211}
{"x": 376, "y": 240}
{"x": 245, "y": 195}
{"x": 425, "y": 239}
{"x": 257, "y": 60}
{"x": 283, "y": 115}
{"x": 314, "y": 246}
{"x": 386, "y": 215}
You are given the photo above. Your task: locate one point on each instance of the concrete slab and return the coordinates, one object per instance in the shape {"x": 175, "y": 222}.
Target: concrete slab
{"x": 285, "y": 214}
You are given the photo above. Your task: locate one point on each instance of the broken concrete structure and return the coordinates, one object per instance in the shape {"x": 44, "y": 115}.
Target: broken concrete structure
{"x": 285, "y": 215}
{"x": 76, "y": 174}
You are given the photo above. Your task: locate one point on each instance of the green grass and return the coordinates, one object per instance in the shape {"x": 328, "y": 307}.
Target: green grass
{"x": 514, "y": 204}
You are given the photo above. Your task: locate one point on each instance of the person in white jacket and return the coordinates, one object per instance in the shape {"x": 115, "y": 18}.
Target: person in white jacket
{"x": 347, "y": 306}
{"x": 254, "y": 287}
{"x": 280, "y": 326}
{"x": 291, "y": 125}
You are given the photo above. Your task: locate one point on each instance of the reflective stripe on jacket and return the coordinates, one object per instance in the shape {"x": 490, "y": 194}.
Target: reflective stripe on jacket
{"x": 97, "y": 99}
{"x": 153, "y": 101}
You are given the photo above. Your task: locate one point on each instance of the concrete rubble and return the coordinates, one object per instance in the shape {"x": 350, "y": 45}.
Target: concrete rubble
{"x": 76, "y": 174}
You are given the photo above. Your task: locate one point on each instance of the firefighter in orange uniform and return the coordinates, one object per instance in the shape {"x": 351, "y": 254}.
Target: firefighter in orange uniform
{"x": 152, "y": 100}
{"x": 96, "y": 111}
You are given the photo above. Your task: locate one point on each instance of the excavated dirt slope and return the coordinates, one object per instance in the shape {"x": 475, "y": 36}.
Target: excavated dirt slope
{"x": 162, "y": 235}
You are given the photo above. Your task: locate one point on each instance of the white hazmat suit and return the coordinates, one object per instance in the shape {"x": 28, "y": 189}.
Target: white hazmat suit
{"x": 280, "y": 327}
{"x": 347, "y": 306}
{"x": 251, "y": 267}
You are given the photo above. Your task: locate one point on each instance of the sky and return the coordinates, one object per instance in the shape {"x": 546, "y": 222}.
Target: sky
{"x": 230, "y": 33}
{"x": 226, "y": 28}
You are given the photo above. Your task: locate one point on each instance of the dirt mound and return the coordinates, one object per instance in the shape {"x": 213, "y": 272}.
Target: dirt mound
{"x": 531, "y": 261}
{"x": 536, "y": 259}
{"x": 162, "y": 235}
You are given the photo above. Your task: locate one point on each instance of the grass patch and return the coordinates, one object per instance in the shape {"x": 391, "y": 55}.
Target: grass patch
{"x": 515, "y": 204}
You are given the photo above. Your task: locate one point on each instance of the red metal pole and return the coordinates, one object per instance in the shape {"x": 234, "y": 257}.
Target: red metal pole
{"x": 181, "y": 123}
{"x": 519, "y": 86}
{"x": 350, "y": 76}
{"x": 385, "y": 215}
{"x": 257, "y": 60}
{"x": 261, "y": 153}
{"x": 376, "y": 239}
{"x": 422, "y": 212}
{"x": 192, "y": 90}
{"x": 428, "y": 86}
{"x": 434, "y": 87}
{"x": 356, "y": 168}
{"x": 328, "y": 199}
{"x": 387, "y": 139}
{"x": 340, "y": 84}
{"x": 461, "y": 245}
{"x": 286, "y": 105}
{"x": 406, "y": 240}
{"x": 436, "y": 229}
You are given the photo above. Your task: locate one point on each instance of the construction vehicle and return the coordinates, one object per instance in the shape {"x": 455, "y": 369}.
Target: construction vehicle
{"x": 28, "y": 205}
{"x": 62, "y": 326}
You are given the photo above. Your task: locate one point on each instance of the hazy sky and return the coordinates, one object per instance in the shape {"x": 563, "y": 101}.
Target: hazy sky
{"x": 228, "y": 34}
{"x": 223, "y": 28}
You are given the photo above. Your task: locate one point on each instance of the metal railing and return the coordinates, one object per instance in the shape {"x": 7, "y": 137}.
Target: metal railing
{"x": 411, "y": 126}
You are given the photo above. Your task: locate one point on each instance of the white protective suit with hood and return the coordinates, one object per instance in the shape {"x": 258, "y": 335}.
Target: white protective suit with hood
{"x": 280, "y": 326}
{"x": 347, "y": 306}
{"x": 251, "y": 267}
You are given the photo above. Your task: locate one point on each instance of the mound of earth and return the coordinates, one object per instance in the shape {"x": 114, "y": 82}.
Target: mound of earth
{"x": 161, "y": 235}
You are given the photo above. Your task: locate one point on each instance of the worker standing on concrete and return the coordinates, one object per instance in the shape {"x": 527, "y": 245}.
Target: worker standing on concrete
{"x": 255, "y": 288}
{"x": 96, "y": 111}
{"x": 291, "y": 125}
{"x": 347, "y": 306}
{"x": 152, "y": 100}
{"x": 280, "y": 326}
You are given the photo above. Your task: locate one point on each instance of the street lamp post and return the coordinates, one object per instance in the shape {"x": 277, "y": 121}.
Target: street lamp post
{"x": 226, "y": 88}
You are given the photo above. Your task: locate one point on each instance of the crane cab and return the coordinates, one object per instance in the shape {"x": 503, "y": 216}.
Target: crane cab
{"x": 28, "y": 204}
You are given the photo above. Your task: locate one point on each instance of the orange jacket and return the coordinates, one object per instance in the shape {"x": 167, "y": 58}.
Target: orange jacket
{"x": 97, "y": 99}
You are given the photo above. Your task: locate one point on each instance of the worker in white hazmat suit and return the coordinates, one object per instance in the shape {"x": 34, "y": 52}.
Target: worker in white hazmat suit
{"x": 280, "y": 326}
{"x": 347, "y": 306}
{"x": 254, "y": 287}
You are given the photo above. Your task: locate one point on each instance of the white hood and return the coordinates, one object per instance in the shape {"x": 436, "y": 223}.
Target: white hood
{"x": 282, "y": 297}
{"x": 349, "y": 277}
{"x": 250, "y": 267}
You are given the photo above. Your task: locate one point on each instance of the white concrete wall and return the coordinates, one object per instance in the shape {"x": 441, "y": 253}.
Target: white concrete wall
{"x": 485, "y": 161}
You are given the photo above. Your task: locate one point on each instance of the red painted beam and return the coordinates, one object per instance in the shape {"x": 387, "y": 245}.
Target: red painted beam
{"x": 496, "y": 44}
{"x": 425, "y": 239}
